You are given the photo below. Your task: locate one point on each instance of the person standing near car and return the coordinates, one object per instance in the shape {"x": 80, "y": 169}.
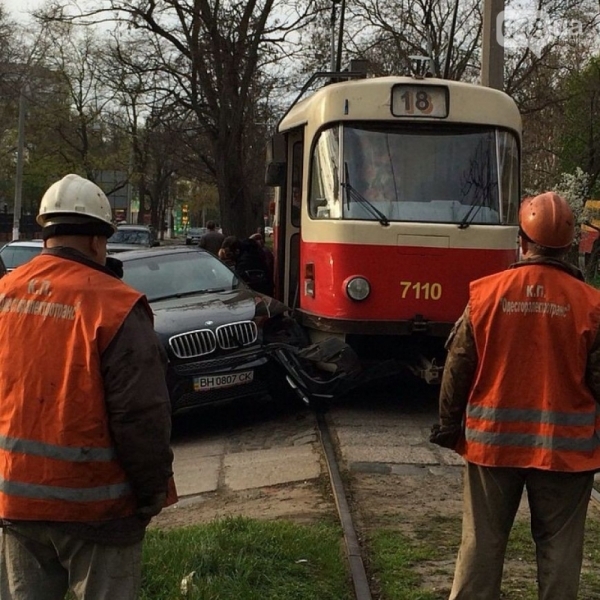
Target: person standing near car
{"x": 519, "y": 402}
{"x": 229, "y": 251}
{"x": 251, "y": 265}
{"x": 84, "y": 412}
{"x": 212, "y": 240}
{"x": 269, "y": 256}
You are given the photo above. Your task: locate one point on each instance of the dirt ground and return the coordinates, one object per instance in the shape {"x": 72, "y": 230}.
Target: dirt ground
{"x": 374, "y": 498}
{"x": 307, "y": 502}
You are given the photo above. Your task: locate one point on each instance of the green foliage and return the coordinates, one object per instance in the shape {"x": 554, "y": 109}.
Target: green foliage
{"x": 575, "y": 187}
{"x": 595, "y": 281}
{"x": 395, "y": 556}
{"x": 242, "y": 558}
{"x": 202, "y": 199}
{"x": 579, "y": 142}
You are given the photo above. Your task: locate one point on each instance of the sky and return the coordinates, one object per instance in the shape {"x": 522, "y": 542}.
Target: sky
{"x": 18, "y": 9}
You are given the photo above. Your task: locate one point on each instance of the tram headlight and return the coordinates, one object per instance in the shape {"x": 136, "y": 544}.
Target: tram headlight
{"x": 357, "y": 288}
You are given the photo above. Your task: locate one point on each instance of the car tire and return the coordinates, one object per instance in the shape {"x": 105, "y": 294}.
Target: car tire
{"x": 188, "y": 242}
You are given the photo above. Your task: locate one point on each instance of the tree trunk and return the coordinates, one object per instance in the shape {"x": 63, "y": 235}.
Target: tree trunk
{"x": 142, "y": 201}
{"x": 240, "y": 215}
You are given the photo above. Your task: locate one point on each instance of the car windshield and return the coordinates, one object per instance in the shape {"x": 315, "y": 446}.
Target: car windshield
{"x": 181, "y": 273}
{"x": 14, "y": 256}
{"x": 123, "y": 236}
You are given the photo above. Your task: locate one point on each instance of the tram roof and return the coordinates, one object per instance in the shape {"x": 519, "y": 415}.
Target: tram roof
{"x": 370, "y": 100}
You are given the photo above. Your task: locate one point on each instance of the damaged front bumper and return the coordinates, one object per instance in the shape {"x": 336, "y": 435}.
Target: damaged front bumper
{"x": 319, "y": 372}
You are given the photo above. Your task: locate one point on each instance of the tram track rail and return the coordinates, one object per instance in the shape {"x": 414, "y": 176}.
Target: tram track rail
{"x": 360, "y": 581}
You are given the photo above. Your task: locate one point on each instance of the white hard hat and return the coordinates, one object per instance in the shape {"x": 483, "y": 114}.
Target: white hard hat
{"x": 75, "y": 197}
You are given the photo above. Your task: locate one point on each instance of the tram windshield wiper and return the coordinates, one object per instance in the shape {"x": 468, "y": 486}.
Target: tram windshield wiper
{"x": 480, "y": 179}
{"x": 352, "y": 194}
{"x": 471, "y": 213}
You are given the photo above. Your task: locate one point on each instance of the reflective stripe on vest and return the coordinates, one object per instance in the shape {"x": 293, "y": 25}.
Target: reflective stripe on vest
{"x": 531, "y": 440}
{"x": 530, "y": 415}
{"x": 41, "y": 492}
{"x": 85, "y": 454}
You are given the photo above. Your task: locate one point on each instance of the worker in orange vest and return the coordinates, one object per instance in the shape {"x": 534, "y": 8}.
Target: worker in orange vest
{"x": 519, "y": 402}
{"x": 85, "y": 418}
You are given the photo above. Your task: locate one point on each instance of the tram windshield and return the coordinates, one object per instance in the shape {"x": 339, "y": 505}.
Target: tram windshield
{"x": 455, "y": 174}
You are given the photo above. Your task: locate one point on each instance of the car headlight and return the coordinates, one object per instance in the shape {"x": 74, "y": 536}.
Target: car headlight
{"x": 357, "y": 288}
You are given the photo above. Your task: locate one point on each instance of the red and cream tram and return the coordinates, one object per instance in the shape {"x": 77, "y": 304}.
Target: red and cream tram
{"x": 391, "y": 195}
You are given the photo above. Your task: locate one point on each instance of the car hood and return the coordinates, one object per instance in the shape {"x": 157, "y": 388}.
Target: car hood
{"x": 204, "y": 311}
{"x": 123, "y": 247}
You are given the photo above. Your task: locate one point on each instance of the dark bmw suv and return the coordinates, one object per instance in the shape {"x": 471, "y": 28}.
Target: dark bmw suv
{"x": 215, "y": 329}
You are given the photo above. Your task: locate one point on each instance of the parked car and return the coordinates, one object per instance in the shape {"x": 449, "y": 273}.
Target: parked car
{"x": 3, "y": 270}
{"x": 268, "y": 231}
{"x": 131, "y": 237}
{"x": 18, "y": 252}
{"x": 224, "y": 341}
{"x": 193, "y": 235}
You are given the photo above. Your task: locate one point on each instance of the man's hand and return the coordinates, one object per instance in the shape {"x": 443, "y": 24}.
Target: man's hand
{"x": 447, "y": 436}
{"x": 152, "y": 506}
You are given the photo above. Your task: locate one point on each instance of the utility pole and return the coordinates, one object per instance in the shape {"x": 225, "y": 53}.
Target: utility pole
{"x": 492, "y": 52}
{"x": 332, "y": 35}
{"x": 19, "y": 175}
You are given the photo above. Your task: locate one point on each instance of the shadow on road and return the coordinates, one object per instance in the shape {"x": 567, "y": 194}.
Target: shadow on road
{"x": 407, "y": 395}
{"x": 229, "y": 418}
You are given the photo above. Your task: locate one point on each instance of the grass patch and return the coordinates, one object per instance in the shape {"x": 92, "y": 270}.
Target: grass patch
{"x": 244, "y": 558}
{"x": 394, "y": 556}
{"x": 417, "y": 563}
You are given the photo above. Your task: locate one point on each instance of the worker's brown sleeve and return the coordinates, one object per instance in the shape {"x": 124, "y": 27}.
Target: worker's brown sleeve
{"x": 459, "y": 371}
{"x": 139, "y": 410}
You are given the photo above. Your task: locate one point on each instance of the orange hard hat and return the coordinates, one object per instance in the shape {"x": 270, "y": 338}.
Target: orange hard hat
{"x": 547, "y": 220}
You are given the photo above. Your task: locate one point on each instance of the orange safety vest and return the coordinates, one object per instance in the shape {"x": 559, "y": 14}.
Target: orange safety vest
{"x": 529, "y": 405}
{"x": 57, "y": 460}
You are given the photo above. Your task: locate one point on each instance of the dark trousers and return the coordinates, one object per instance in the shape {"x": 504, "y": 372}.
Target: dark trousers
{"x": 558, "y": 504}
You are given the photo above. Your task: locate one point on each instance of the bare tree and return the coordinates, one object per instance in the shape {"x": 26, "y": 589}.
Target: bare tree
{"x": 74, "y": 58}
{"x": 215, "y": 54}
{"x": 552, "y": 40}
{"x": 394, "y": 31}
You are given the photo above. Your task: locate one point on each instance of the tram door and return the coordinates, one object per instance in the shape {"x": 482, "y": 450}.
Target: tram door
{"x": 284, "y": 172}
{"x": 295, "y": 200}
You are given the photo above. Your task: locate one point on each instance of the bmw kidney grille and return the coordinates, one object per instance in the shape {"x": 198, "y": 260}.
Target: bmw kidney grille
{"x": 237, "y": 335}
{"x": 204, "y": 341}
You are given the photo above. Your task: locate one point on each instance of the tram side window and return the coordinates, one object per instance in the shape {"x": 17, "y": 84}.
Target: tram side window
{"x": 324, "y": 201}
{"x": 508, "y": 159}
{"x": 297, "y": 162}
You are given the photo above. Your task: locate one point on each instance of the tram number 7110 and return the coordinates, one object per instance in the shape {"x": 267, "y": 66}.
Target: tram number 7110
{"x": 421, "y": 291}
